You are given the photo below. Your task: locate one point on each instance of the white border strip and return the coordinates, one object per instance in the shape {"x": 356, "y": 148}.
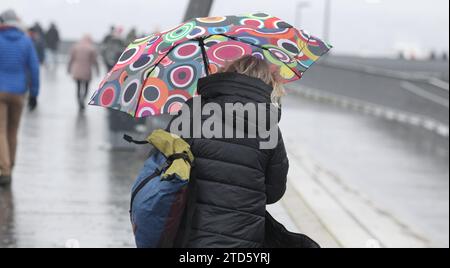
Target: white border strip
{"x": 376, "y": 110}
{"x": 425, "y": 94}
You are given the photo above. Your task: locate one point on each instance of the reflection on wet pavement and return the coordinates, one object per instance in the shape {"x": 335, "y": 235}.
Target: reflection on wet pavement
{"x": 67, "y": 183}
{"x": 404, "y": 170}
{"x": 69, "y": 186}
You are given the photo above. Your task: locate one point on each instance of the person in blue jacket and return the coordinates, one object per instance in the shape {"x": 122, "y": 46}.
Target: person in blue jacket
{"x": 19, "y": 72}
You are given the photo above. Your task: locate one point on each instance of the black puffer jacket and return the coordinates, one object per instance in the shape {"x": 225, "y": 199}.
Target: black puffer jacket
{"x": 235, "y": 179}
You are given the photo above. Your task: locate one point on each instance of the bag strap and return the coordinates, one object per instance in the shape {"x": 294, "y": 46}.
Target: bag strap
{"x": 139, "y": 188}
{"x": 157, "y": 173}
{"x": 131, "y": 140}
{"x": 183, "y": 156}
{"x": 184, "y": 231}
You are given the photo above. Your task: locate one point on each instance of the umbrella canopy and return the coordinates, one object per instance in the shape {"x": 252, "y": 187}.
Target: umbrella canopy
{"x": 158, "y": 73}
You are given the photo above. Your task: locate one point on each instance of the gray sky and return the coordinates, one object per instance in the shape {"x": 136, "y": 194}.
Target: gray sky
{"x": 365, "y": 27}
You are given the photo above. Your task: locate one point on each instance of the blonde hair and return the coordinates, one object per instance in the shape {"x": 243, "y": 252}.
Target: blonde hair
{"x": 258, "y": 68}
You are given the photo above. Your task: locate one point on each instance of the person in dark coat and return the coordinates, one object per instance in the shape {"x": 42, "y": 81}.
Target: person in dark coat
{"x": 112, "y": 47}
{"x": 52, "y": 39}
{"x": 235, "y": 178}
{"x": 37, "y": 36}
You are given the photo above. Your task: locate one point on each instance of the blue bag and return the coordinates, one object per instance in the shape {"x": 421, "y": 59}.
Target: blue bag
{"x": 160, "y": 193}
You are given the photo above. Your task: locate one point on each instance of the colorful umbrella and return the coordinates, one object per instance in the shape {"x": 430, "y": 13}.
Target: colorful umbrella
{"x": 158, "y": 73}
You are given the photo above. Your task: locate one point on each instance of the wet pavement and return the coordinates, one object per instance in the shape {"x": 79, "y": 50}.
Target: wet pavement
{"x": 402, "y": 170}
{"x": 71, "y": 189}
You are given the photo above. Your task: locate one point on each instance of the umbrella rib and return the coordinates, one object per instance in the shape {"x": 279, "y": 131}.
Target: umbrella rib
{"x": 263, "y": 48}
{"x": 301, "y": 51}
{"x": 201, "y": 43}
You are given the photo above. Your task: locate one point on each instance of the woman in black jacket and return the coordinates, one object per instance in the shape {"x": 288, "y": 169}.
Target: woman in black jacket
{"x": 235, "y": 178}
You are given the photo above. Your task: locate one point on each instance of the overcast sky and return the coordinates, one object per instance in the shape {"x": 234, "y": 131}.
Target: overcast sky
{"x": 365, "y": 27}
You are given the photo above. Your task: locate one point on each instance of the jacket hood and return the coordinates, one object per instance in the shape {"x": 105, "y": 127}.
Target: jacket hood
{"x": 11, "y": 33}
{"x": 224, "y": 88}
{"x": 235, "y": 86}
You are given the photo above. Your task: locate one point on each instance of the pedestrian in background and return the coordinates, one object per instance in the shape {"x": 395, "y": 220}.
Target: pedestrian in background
{"x": 83, "y": 58}
{"x": 112, "y": 47}
{"x": 131, "y": 36}
{"x": 38, "y": 37}
{"x": 19, "y": 71}
{"x": 52, "y": 39}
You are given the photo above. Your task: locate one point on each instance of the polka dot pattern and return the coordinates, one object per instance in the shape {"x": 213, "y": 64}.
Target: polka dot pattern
{"x": 158, "y": 73}
{"x": 224, "y": 52}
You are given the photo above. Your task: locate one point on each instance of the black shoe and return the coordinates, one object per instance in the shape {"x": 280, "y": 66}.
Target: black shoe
{"x": 5, "y": 180}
